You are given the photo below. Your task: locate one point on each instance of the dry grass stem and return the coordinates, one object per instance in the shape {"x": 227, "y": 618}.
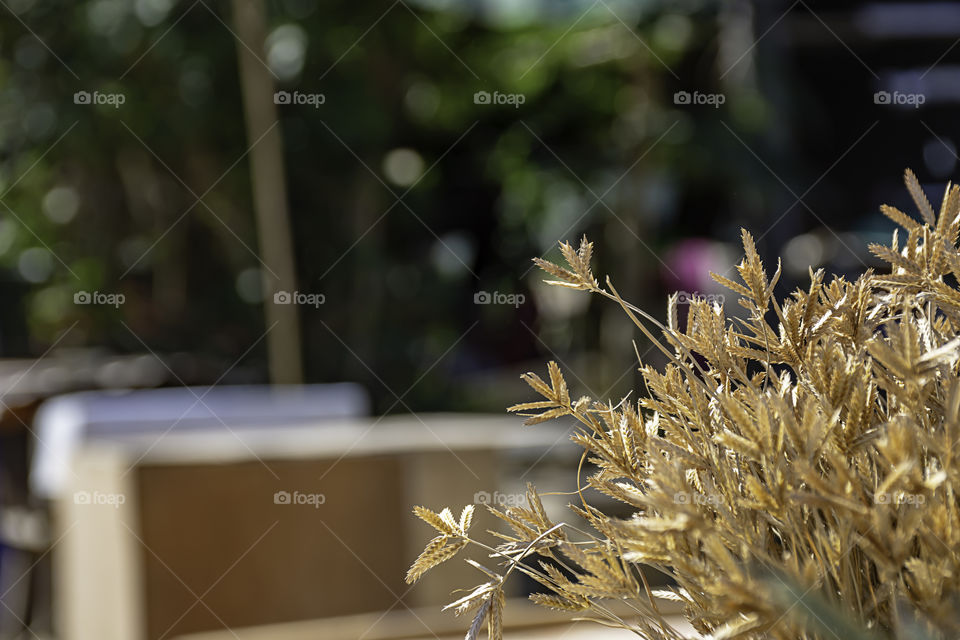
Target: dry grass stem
{"x": 794, "y": 470}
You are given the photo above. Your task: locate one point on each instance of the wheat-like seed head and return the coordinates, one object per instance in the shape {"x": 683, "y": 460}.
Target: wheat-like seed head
{"x": 797, "y": 479}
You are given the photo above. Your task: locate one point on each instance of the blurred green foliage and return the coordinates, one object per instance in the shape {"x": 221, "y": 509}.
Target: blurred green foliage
{"x": 407, "y": 196}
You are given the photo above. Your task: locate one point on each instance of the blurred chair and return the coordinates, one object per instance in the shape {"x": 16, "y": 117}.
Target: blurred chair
{"x": 24, "y": 384}
{"x": 64, "y": 422}
{"x": 99, "y": 566}
{"x": 255, "y": 506}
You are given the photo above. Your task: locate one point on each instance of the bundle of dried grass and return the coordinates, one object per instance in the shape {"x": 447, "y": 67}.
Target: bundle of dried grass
{"x": 796, "y": 481}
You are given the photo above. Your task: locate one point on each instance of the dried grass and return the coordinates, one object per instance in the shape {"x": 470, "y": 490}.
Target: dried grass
{"x": 796, "y": 480}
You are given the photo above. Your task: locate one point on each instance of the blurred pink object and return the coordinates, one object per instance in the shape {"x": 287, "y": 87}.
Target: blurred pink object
{"x": 688, "y": 264}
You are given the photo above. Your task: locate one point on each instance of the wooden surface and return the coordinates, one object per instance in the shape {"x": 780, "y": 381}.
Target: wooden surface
{"x": 201, "y": 545}
{"x": 215, "y": 531}
{"x": 98, "y": 577}
{"x": 348, "y": 438}
{"x": 522, "y": 621}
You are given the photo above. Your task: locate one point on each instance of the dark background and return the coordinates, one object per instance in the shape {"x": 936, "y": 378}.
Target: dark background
{"x": 798, "y": 148}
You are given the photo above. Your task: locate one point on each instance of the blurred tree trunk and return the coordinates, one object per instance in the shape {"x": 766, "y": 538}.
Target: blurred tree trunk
{"x": 269, "y": 192}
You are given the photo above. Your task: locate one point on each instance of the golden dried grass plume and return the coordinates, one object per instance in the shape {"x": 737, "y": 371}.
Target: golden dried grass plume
{"x": 795, "y": 470}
